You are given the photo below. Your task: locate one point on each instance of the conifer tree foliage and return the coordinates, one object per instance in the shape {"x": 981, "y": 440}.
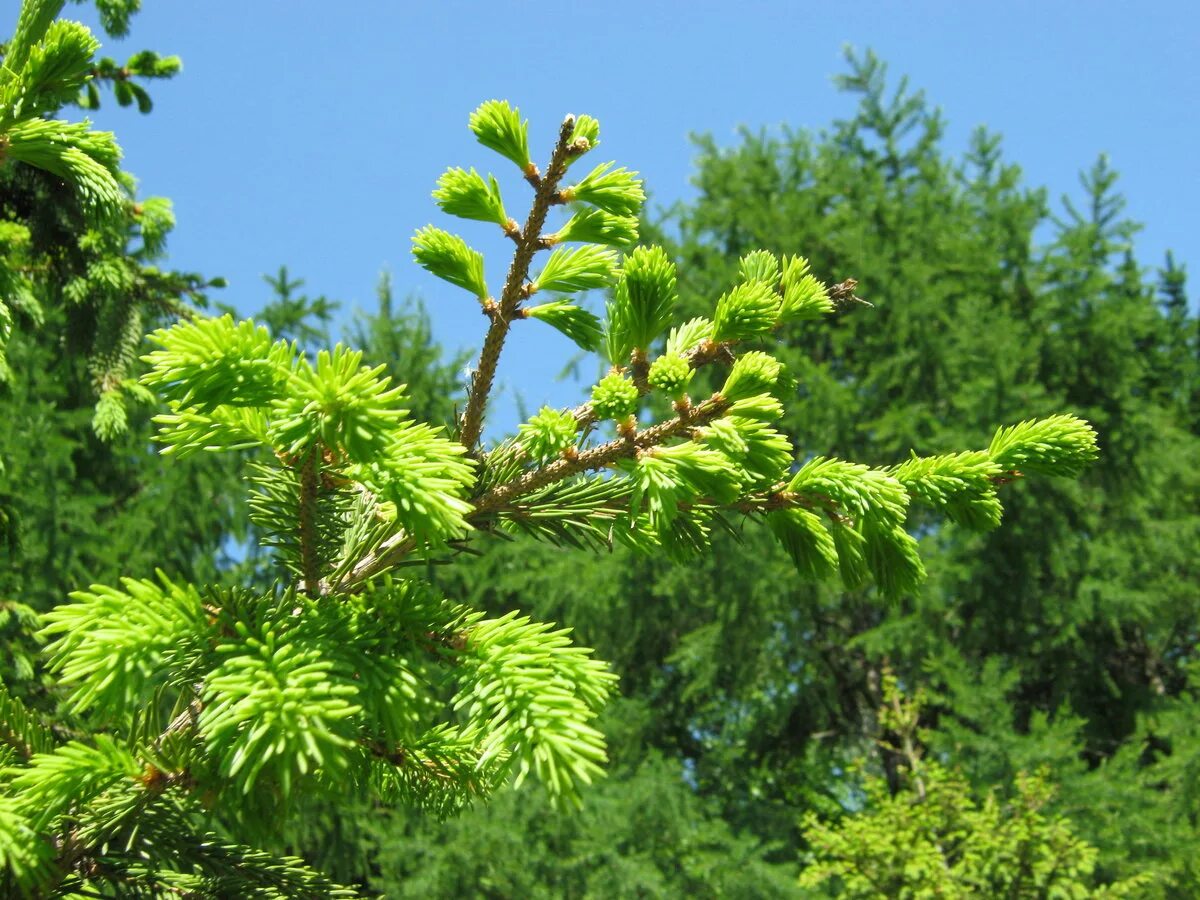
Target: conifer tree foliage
{"x": 200, "y": 709}
{"x": 1063, "y": 638}
{"x": 78, "y": 249}
{"x": 79, "y": 287}
{"x": 932, "y": 838}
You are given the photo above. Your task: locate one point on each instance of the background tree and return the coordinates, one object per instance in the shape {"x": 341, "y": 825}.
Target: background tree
{"x": 931, "y": 838}
{"x": 80, "y": 284}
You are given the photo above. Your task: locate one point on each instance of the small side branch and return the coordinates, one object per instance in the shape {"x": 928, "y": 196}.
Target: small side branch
{"x": 628, "y": 445}
{"x": 528, "y": 241}
{"x": 310, "y": 483}
{"x": 601, "y": 456}
{"x": 699, "y": 356}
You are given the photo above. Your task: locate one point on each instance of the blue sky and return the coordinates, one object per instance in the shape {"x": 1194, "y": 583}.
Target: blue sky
{"x": 306, "y": 134}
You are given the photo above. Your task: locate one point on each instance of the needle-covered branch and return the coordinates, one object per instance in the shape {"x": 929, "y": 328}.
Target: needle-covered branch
{"x": 336, "y": 676}
{"x": 528, "y": 243}
{"x": 626, "y": 446}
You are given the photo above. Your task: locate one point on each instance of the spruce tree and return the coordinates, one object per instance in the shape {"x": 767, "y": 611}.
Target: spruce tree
{"x": 197, "y": 714}
{"x": 80, "y": 283}
{"x": 1054, "y": 640}
{"x": 932, "y": 838}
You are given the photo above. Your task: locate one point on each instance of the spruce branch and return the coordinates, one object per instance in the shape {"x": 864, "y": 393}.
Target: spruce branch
{"x": 243, "y": 696}
{"x": 307, "y": 513}
{"x": 490, "y": 504}
{"x": 623, "y": 447}
{"x": 705, "y": 353}
{"x": 528, "y": 243}
{"x": 20, "y": 729}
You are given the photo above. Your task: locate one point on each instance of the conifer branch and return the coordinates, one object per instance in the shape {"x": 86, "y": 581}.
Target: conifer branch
{"x": 629, "y": 445}
{"x": 528, "y": 242}
{"x": 623, "y": 447}
{"x": 706, "y": 353}
{"x": 186, "y": 720}
{"x": 309, "y": 485}
{"x": 271, "y": 687}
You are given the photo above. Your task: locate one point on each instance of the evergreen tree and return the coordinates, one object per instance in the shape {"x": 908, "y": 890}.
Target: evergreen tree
{"x": 402, "y": 339}
{"x": 933, "y": 839}
{"x": 192, "y": 707}
{"x": 1086, "y": 598}
{"x": 79, "y": 286}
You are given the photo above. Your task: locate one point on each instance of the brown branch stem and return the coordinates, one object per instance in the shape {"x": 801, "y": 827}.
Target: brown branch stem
{"x": 600, "y": 456}
{"x": 400, "y": 544}
{"x": 528, "y": 242}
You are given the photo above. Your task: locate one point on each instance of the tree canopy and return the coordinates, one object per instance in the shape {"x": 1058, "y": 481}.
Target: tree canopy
{"x": 329, "y": 677}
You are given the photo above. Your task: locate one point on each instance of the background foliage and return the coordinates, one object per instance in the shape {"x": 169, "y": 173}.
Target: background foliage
{"x": 748, "y": 731}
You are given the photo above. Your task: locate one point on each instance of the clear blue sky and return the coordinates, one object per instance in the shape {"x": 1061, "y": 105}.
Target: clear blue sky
{"x": 311, "y": 133}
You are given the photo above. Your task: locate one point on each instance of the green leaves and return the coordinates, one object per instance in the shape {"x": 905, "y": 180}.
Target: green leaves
{"x": 1059, "y": 445}
{"x": 614, "y": 397}
{"x": 336, "y": 676}
{"x": 24, "y": 856}
{"x": 443, "y": 772}
{"x": 759, "y": 266}
{"x": 701, "y": 471}
{"x": 574, "y": 321}
{"x": 448, "y": 257}
{"x": 866, "y": 509}
{"x": 425, "y": 476}
{"x": 643, "y": 303}
{"x": 857, "y": 490}
{"x": 761, "y": 454}
{"x": 56, "y": 68}
{"x": 618, "y": 191}
{"x": 208, "y": 363}
{"x": 84, "y": 158}
{"x": 804, "y": 297}
{"x": 22, "y": 732}
{"x": 578, "y": 513}
{"x": 807, "y": 541}
{"x": 770, "y": 294}
{"x": 752, "y": 373}
{"x": 578, "y": 269}
{"x": 901, "y": 839}
{"x": 665, "y": 478}
{"x": 595, "y": 226}
{"x": 963, "y": 485}
{"x": 113, "y": 646}
{"x": 690, "y": 335}
{"x": 185, "y": 430}
{"x": 35, "y": 19}
{"x": 584, "y": 136}
{"x": 747, "y": 311}
{"x": 46, "y": 64}
{"x": 548, "y": 433}
{"x": 340, "y": 404}
{"x": 275, "y": 705}
{"x": 535, "y": 695}
{"x": 468, "y": 196}
{"x": 498, "y": 127}
{"x": 671, "y": 374}
{"x": 68, "y": 776}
